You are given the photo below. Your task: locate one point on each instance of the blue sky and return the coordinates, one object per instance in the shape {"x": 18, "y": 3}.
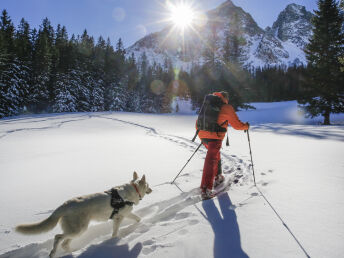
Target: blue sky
{"x": 128, "y": 19}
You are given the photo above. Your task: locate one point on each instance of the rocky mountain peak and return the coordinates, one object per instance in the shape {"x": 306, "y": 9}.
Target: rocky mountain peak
{"x": 281, "y": 44}
{"x": 293, "y": 24}
{"x": 228, "y": 12}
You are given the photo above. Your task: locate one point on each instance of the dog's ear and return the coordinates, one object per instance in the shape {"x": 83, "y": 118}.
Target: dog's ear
{"x": 135, "y": 176}
{"x": 143, "y": 179}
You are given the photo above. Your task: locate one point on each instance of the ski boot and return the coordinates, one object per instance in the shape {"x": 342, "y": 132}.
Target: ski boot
{"x": 207, "y": 194}
{"x": 219, "y": 180}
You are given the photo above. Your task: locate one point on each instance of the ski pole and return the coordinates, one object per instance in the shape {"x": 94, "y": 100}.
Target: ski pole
{"x": 186, "y": 163}
{"x": 249, "y": 144}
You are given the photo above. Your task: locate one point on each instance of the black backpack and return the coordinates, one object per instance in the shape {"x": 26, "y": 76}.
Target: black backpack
{"x": 208, "y": 115}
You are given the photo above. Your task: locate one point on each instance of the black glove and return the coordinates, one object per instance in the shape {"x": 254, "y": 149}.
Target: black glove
{"x": 248, "y": 127}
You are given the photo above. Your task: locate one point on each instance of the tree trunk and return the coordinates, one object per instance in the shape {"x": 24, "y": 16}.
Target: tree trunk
{"x": 326, "y": 116}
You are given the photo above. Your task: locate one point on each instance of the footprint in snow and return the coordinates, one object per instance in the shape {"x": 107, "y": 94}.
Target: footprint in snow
{"x": 148, "y": 242}
{"x": 182, "y": 215}
{"x": 143, "y": 229}
{"x": 228, "y": 171}
{"x": 193, "y": 222}
{"x": 183, "y": 232}
{"x": 149, "y": 247}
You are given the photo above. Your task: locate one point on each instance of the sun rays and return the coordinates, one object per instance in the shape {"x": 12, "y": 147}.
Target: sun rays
{"x": 182, "y": 15}
{"x": 187, "y": 34}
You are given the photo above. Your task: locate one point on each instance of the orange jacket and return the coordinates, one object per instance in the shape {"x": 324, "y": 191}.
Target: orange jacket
{"x": 227, "y": 113}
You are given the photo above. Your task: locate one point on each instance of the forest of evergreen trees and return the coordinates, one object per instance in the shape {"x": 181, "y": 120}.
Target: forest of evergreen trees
{"x": 46, "y": 70}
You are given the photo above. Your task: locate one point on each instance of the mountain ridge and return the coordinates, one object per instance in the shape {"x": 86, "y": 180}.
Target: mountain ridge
{"x": 281, "y": 44}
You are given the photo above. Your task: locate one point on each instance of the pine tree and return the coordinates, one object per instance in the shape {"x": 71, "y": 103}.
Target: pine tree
{"x": 139, "y": 96}
{"x": 132, "y": 73}
{"x": 84, "y": 65}
{"x": 120, "y": 99}
{"x": 341, "y": 59}
{"x": 237, "y": 40}
{"x": 97, "y": 95}
{"x": 109, "y": 75}
{"x": 115, "y": 79}
{"x": 12, "y": 84}
{"x": 66, "y": 85}
{"x": 212, "y": 47}
{"x": 98, "y": 75}
{"x": 325, "y": 81}
{"x": 7, "y": 34}
{"x": 63, "y": 54}
{"x": 41, "y": 94}
{"x": 23, "y": 43}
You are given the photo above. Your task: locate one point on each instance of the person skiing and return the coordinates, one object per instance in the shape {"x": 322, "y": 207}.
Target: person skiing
{"x": 212, "y": 140}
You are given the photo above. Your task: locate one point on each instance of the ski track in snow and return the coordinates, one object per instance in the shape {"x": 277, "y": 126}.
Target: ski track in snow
{"x": 54, "y": 125}
{"x": 169, "y": 209}
{"x": 159, "y": 214}
{"x": 228, "y": 161}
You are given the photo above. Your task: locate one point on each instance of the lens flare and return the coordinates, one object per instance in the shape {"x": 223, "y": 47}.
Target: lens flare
{"x": 157, "y": 87}
{"x": 182, "y": 15}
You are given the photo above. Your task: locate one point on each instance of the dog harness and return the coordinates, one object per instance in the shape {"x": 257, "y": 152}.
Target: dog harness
{"x": 117, "y": 202}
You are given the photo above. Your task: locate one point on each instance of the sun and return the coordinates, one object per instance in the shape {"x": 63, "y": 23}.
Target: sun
{"x": 181, "y": 15}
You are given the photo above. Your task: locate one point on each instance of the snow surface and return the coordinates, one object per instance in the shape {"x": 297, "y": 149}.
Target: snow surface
{"x": 299, "y": 165}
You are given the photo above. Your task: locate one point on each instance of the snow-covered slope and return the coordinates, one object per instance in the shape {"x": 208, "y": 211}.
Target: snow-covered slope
{"x": 47, "y": 159}
{"x": 280, "y": 45}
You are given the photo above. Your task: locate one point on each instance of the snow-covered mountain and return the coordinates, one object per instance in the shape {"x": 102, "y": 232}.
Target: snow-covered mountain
{"x": 281, "y": 44}
{"x": 293, "y": 24}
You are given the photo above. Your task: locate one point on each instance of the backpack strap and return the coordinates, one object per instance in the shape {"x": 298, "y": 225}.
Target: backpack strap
{"x": 116, "y": 201}
{"x": 194, "y": 138}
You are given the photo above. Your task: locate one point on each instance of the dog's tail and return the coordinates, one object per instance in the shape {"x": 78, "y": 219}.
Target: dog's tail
{"x": 40, "y": 227}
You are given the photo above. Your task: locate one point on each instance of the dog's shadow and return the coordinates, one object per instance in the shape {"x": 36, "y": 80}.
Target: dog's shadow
{"x": 110, "y": 249}
{"x": 98, "y": 234}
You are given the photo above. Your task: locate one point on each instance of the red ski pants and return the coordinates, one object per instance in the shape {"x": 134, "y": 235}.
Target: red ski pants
{"x": 211, "y": 163}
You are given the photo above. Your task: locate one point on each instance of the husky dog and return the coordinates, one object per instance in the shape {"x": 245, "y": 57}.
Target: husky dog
{"x": 75, "y": 214}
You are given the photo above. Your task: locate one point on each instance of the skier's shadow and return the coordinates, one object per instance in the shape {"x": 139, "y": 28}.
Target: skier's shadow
{"x": 227, "y": 236}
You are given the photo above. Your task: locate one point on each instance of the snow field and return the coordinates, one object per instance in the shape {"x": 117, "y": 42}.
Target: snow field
{"x": 45, "y": 160}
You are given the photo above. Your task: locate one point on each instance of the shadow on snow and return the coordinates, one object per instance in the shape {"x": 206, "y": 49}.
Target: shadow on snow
{"x": 110, "y": 249}
{"x": 227, "y": 241}
{"x": 321, "y": 132}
